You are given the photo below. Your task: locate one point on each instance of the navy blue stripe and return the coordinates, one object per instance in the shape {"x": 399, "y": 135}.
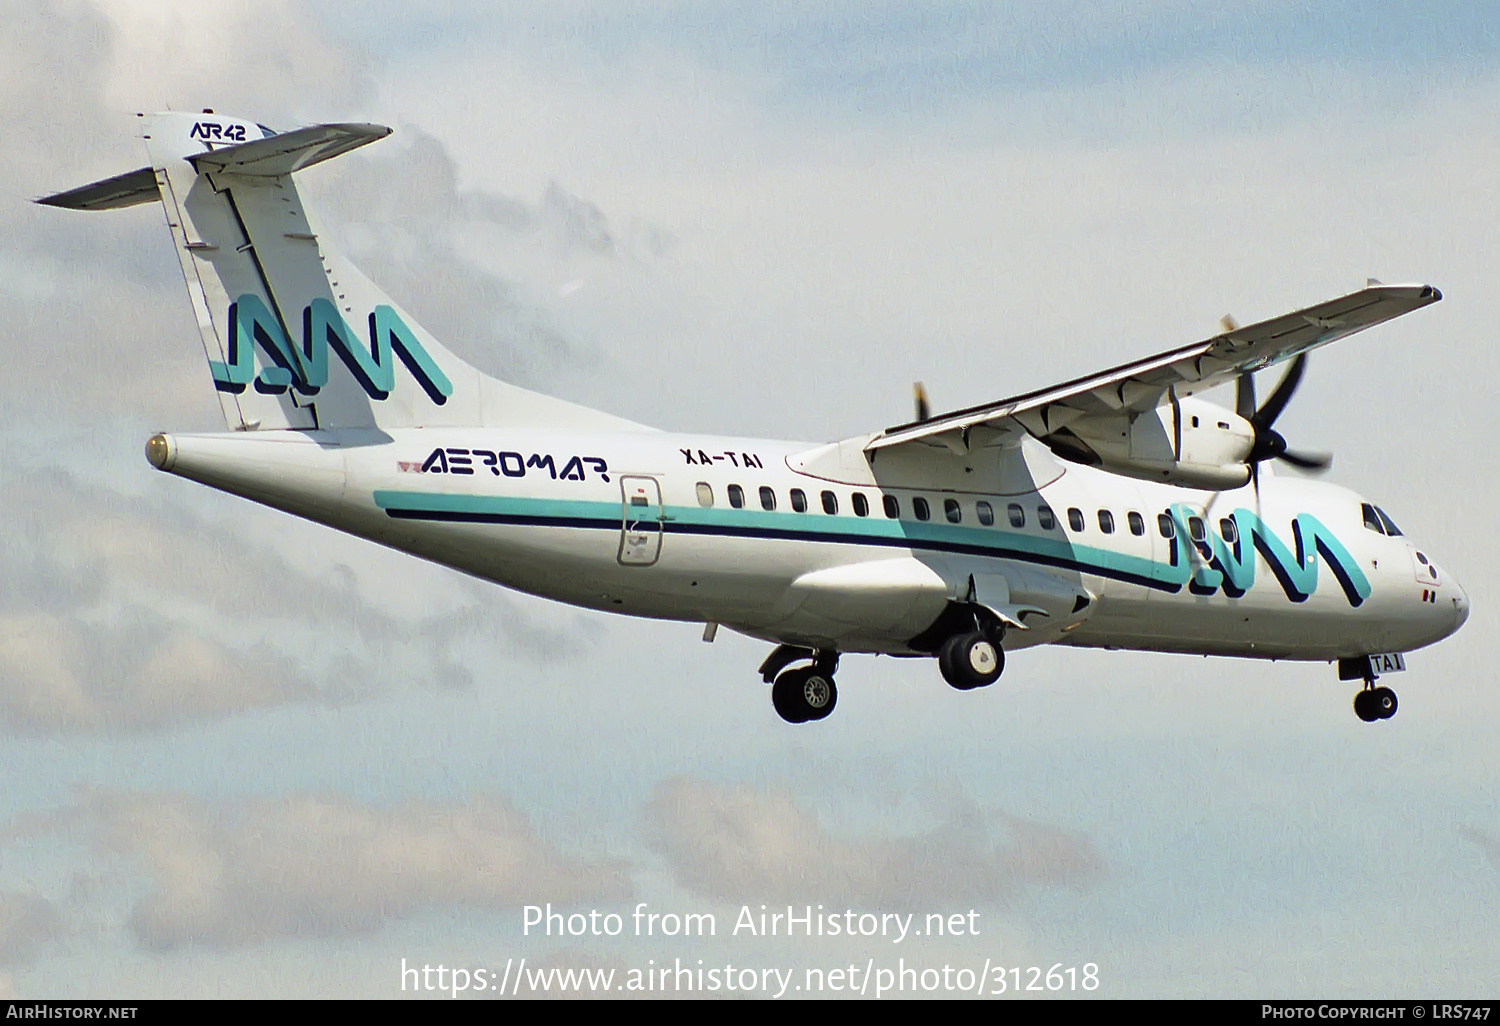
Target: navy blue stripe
{"x": 781, "y": 534}
{"x": 516, "y": 519}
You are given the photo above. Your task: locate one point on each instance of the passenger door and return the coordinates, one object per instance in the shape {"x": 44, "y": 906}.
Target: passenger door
{"x": 640, "y": 531}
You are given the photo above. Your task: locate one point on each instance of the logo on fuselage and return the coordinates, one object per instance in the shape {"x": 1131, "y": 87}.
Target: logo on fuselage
{"x": 304, "y": 368}
{"x": 1226, "y": 559}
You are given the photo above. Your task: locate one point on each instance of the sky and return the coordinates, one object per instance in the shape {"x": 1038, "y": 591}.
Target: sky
{"x": 247, "y": 756}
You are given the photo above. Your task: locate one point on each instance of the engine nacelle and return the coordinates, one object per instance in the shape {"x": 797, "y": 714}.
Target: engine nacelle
{"x": 1187, "y": 442}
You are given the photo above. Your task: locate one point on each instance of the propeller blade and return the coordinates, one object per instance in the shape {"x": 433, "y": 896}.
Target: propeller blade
{"x": 1244, "y": 385}
{"x": 919, "y": 396}
{"x": 1244, "y": 395}
{"x": 1267, "y": 414}
{"x": 1314, "y": 461}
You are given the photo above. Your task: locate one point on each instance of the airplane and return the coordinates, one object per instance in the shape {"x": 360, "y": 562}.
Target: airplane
{"x": 1118, "y": 510}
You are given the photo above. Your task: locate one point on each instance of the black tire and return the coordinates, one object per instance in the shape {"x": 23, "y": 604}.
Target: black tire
{"x": 786, "y": 696}
{"x": 972, "y": 660}
{"x": 1384, "y": 702}
{"x": 804, "y": 694}
{"x": 947, "y": 663}
{"x": 1365, "y": 707}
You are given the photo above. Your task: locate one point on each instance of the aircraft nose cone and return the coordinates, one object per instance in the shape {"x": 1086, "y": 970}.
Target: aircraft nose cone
{"x": 1460, "y": 607}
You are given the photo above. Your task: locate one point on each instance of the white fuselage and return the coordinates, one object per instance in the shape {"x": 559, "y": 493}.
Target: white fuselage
{"x": 645, "y": 523}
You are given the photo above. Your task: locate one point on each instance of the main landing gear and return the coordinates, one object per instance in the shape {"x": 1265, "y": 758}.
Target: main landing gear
{"x": 966, "y": 639}
{"x": 971, "y": 660}
{"x": 1371, "y": 703}
{"x": 801, "y": 694}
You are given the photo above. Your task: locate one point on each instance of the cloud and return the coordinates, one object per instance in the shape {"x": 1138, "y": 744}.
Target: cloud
{"x": 1487, "y": 844}
{"x": 244, "y": 871}
{"x": 735, "y": 843}
{"x": 479, "y": 269}
{"x": 228, "y": 55}
{"x": 27, "y": 921}
{"x": 59, "y": 674}
{"x": 124, "y": 612}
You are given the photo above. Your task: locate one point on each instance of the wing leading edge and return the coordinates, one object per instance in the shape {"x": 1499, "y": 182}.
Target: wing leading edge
{"x": 1146, "y": 384}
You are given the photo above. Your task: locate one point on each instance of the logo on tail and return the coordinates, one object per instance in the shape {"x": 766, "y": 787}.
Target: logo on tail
{"x": 304, "y": 369}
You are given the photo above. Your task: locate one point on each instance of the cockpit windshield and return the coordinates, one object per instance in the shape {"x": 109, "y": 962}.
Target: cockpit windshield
{"x": 1377, "y": 521}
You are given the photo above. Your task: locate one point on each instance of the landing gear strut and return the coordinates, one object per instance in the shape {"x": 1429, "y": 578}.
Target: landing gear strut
{"x": 803, "y": 693}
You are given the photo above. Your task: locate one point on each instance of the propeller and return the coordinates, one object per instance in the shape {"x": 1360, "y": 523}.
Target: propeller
{"x": 919, "y": 397}
{"x": 1269, "y": 443}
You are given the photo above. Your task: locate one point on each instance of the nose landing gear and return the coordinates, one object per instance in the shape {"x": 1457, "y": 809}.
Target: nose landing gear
{"x": 1374, "y": 703}
{"x": 1371, "y": 703}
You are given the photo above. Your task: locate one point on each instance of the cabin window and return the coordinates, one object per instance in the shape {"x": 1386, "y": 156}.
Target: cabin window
{"x": 736, "y": 496}
{"x": 767, "y": 498}
{"x": 1106, "y": 521}
{"x": 1075, "y": 518}
{"x": 1224, "y": 424}
{"x": 1165, "y": 526}
{"x": 1390, "y": 525}
{"x": 1045, "y": 518}
{"x": 830, "y": 503}
{"x": 1017, "y": 515}
{"x": 919, "y": 508}
{"x": 799, "y": 500}
{"x": 705, "y": 494}
{"x": 985, "y": 512}
{"x": 952, "y": 511}
{"x": 892, "y": 506}
{"x": 1137, "y": 523}
{"x": 1228, "y": 530}
{"x": 1195, "y": 422}
{"x": 1197, "y": 529}
{"x": 860, "y": 503}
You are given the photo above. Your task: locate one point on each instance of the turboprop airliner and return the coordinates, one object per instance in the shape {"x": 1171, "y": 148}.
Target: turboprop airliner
{"x": 1118, "y": 510}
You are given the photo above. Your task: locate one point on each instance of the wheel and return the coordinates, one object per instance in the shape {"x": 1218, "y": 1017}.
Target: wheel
{"x": 803, "y": 694}
{"x": 819, "y": 694}
{"x": 970, "y": 661}
{"x": 1384, "y": 702}
{"x": 1365, "y": 707}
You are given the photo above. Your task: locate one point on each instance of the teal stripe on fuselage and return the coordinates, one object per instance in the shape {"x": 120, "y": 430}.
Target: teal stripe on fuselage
{"x": 998, "y": 542}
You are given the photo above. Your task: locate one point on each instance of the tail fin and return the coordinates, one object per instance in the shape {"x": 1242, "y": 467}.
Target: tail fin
{"x": 272, "y": 298}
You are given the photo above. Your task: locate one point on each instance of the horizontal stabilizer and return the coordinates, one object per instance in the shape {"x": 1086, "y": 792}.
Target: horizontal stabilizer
{"x": 127, "y": 190}
{"x": 288, "y": 152}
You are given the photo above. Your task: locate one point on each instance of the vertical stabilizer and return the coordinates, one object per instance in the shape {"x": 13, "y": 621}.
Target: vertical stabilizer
{"x": 295, "y": 336}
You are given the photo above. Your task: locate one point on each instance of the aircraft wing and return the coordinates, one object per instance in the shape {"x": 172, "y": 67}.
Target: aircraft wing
{"x": 1146, "y": 384}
